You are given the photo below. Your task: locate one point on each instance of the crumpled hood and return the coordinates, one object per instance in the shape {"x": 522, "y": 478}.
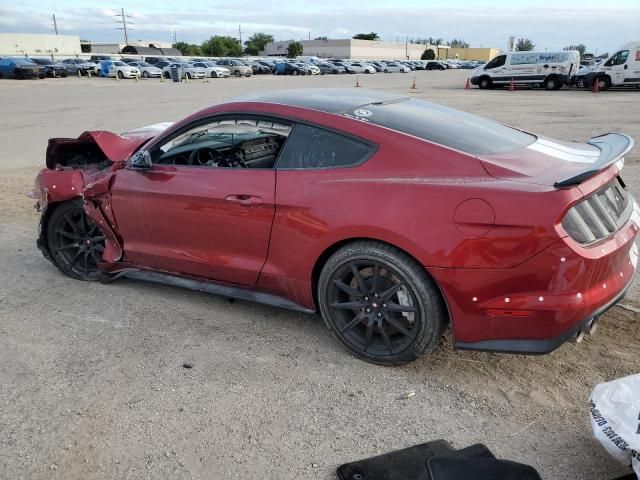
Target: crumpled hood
{"x": 556, "y": 163}
{"x": 115, "y": 147}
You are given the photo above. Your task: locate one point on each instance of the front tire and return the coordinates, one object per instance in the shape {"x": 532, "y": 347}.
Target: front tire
{"x": 76, "y": 243}
{"x": 380, "y": 303}
{"x": 214, "y": 75}
{"x": 485, "y": 83}
{"x": 604, "y": 83}
{"x": 145, "y": 74}
{"x": 237, "y": 73}
{"x": 120, "y": 75}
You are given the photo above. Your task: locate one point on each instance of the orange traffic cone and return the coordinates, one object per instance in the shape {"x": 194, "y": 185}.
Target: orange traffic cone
{"x": 357, "y": 81}
{"x": 596, "y": 85}
{"x": 413, "y": 85}
{"x": 467, "y": 86}
{"x": 512, "y": 86}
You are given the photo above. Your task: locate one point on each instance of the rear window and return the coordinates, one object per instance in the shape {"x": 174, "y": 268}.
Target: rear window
{"x": 445, "y": 126}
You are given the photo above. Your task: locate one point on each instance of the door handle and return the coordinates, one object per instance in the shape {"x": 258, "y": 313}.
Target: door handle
{"x": 246, "y": 200}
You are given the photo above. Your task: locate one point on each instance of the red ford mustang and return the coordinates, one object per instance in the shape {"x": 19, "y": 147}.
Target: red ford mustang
{"x": 393, "y": 217}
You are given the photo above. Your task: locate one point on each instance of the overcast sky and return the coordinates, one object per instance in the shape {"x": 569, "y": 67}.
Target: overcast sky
{"x": 551, "y": 24}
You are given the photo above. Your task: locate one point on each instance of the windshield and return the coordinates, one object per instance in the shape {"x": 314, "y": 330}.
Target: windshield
{"x": 23, "y": 61}
{"x": 142, "y": 64}
{"x": 119, "y": 64}
{"x": 236, "y": 62}
{"x": 445, "y": 126}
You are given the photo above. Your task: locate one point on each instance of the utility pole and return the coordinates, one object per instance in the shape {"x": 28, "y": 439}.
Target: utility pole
{"x": 124, "y": 25}
{"x": 240, "y": 34}
{"x": 55, "y": 24}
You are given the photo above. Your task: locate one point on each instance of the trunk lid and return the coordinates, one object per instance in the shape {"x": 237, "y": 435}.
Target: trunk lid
{"x": 559, "y": 164}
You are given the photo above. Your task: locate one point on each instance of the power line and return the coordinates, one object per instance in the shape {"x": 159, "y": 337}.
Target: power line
{"x": 124, "y": 25}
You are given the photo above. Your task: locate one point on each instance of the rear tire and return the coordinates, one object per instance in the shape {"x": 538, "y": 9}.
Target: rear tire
{"x": 380, "y": 303}
{"x": 76, "y": 243}
{"x": 551, "y": 83}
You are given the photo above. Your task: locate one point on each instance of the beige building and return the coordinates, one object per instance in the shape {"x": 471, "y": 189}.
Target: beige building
{"x": 38, "y": 44}
{"x": 361, "y": 49}
{"x": 484, "y": 54}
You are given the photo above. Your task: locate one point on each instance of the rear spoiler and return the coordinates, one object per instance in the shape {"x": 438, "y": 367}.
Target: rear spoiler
{"x": 613, "y": 147}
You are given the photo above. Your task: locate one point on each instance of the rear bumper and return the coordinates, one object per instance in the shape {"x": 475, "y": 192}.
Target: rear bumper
{"x": 538, "y": 305}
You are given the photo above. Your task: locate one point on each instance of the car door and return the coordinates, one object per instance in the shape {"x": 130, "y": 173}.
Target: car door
{"x": 198, "y": 218}
{"x": 496, "y": 68}
{"x": 618, "y": 67}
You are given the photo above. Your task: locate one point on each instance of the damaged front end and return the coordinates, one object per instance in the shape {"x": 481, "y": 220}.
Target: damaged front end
{"x": 83, "y": 169}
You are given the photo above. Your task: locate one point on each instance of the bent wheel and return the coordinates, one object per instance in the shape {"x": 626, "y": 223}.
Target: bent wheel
{"x": 380, "y": 303}
{"x": 75, "y": 242}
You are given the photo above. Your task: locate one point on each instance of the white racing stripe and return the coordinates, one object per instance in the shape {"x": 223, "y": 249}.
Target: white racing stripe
{"x": 563, "y": 153}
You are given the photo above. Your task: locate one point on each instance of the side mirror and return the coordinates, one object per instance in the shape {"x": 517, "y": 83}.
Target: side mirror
{"x": 140, "y": 161}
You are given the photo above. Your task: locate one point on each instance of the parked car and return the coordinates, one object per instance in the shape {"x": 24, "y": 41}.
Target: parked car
{"x": 100, "y": 58}
{"x": 146, "y": 69}
{"x": 347, "y": 66}
{"x": 308, "y": 68}
{"x": 361, "y": 67}
{"x": 286, "y": 68}
{"x": 525, "y": 252}
{"x": 212, "y": 69}
{"x": 236, "y": 67}
{"x": 189, "y": 71}
{"x": 435, "y": 65}
{"x": 78, "y": 66}
{"x": 51, "y": 68}
{"x": 258, "y": 68}
{"x": 391, "y": 67}
{"x": 408, "y": 65}
{"x": 326, "y": 68}
{"x": 270, "y": 65}
{"x": 20, "y": 68}
{"x": 110, "y": 68}
{"x": 160, "y": 64}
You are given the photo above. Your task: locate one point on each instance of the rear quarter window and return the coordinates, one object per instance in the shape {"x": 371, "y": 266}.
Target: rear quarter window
{"x": 312, "y": 147}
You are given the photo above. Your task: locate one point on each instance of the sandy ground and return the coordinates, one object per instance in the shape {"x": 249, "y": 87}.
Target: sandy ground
{"x": 91, "y": 378}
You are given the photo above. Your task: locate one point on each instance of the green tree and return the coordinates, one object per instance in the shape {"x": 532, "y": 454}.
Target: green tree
{"x": 428, "y": 54}
{"x": 85, "y": 46}
{"x": 581, "y": 47}
{"x": 294, "y": 49}
{"x": 256, "y": 43}
{"x": 321, "y": 38}
{"x": 524, "y": 45}
{"x": 188, "y": 49}
{"x": 458, "y": 43}
{"x": 366, "y": 36}
{"x": 221, "y": 46}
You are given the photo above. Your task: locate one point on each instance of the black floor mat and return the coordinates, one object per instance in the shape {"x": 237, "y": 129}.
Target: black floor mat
{"x": 422, "y": 462}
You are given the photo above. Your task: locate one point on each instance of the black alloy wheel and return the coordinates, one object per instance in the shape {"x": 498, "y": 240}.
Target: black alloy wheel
{"x": 75, "y": 242}
{"x": 380, "y": 303}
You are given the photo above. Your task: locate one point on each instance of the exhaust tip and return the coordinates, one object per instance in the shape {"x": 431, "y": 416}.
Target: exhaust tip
{"x": 578, "y": 337}
{"x": 593, "y": 326}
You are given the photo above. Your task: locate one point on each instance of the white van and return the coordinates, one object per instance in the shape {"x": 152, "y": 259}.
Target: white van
{"x": 621, "y": 68}
{"x": 308, "y": 58}
{"x": 552, "y": 70}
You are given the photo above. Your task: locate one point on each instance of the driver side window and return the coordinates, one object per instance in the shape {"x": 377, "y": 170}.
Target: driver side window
{"x": 496, "y": 62}
{"x": 226, "y": 142}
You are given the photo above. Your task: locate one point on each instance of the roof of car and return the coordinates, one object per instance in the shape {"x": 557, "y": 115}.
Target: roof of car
{"x": 329, "y": 100}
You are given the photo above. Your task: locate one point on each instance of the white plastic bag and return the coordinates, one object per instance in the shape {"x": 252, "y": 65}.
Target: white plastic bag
{"x": 614, "y": 409}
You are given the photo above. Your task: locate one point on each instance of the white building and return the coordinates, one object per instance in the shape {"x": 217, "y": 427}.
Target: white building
{"x": 362, "y": 49}
{"x": 21, "y": 44}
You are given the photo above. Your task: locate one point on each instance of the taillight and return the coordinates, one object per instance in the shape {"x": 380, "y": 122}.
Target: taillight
{"x": 599, "y": 215}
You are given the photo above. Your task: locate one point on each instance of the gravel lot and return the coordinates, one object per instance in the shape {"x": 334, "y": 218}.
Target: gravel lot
{"x": 92, "y": 383}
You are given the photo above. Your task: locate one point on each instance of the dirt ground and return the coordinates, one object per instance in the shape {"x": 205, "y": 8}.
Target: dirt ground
{"x": 92, "y": 383}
